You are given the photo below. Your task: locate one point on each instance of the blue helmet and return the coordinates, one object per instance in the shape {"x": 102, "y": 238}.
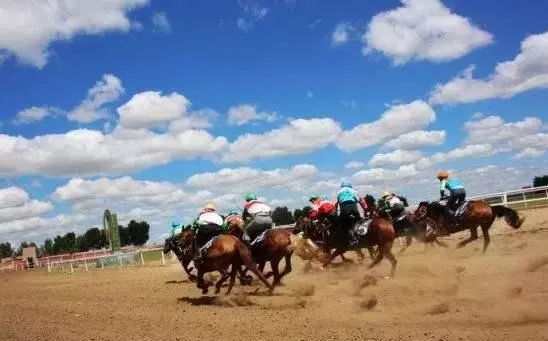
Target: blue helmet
{"x": 175, "y": 224}
{"x": 346, "y": 183}
{"x": 234, "y": 211}
{"x": 324, "y": 197}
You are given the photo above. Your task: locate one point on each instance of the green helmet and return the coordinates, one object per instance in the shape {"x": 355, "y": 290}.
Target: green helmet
{"x": 234, "y": 211}
{"x": 250, "y": 196}
{"x": 313, "y": 197}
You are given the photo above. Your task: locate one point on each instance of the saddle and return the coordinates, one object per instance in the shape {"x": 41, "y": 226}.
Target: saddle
{"x": 259, "y": 240}
{"x": 362, "y": 227}
{"x": 204, "y": 249}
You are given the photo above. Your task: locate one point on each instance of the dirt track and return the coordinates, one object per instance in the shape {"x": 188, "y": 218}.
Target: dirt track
{"x": 444, "y": 294}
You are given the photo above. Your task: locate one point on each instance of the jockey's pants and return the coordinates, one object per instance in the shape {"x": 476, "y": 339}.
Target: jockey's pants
{"x": 259, "y": 222}
{"x": 205, "y": 232}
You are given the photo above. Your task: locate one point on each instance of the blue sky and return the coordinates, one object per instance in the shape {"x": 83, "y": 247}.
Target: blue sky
{"x": 153, "y": 108}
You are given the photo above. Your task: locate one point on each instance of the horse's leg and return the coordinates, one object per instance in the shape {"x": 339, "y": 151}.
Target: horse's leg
{"x": 287, "y": 268}
{"x": 377, "y": 260}
{"x": 224, "y": 277}
{"x": 408, "y": 240}
{"x": 372, "y": 253}
{"x": 185, "y": 263}
{"x": 235, "y": 269}
{"x": 485, "y": 231}
{"x": 200, "y": 283}
{"x": 473, "y": 236}
{"x": 274, "y": 264}
{"x": 440, "y": 243}
{"x": 360, "y": 254}
{"x": 332, "y": 256}
{"x": 387, "y": 250}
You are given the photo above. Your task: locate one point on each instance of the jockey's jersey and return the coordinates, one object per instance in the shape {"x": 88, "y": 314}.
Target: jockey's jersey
{"x": 231, "y": 218}
{"x": 451, "y": 184}
{"x": 176, "y": 231}
{"x": 210, "y": 218}
{"x": 347, "y": 194}
{"x": 393, "y": 200}
{"x": 255, "y": 207}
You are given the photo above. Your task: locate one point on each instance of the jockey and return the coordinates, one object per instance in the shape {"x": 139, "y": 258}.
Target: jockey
{"x": 207, "y": 225}
{"x": 321, "y": 207}
{"x": 392, "y": 204}
{"x": 347, "y": 200}
{"x": 257, "y": 216}
{"x": 232, "y": 214}
{"x": 176, "y": 228}
{"x": 457, "y": 193}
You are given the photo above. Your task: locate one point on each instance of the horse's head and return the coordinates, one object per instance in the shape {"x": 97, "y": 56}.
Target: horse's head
{"x": 422, "y": 210}
{"x": 169, "y": 244}
{"x": 236, "y": 226}
{"x": 186, "y": 241}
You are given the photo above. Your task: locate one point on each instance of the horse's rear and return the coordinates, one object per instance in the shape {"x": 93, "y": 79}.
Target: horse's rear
{"x": 381, "y": 233}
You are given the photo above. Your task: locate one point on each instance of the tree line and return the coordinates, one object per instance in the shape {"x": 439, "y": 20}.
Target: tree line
{"x": 135, "y": 233}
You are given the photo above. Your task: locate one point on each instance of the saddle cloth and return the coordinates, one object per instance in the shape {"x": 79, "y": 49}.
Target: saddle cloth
{"x": 205, "y": 248}
{"x": 258, "y": 241}
{"x": 362, "y": 227}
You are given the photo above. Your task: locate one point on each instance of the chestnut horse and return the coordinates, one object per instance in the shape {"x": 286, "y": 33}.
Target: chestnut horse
{"x": 275, "y": 247}
{"x": 172, "y": 244}
{"x": 225, "y": 251}
{"x": 380, "y": 233}
{"x": 479, "y": 213}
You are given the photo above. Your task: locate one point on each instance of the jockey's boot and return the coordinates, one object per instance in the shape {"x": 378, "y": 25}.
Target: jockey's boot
{"x": 352, "y": 240}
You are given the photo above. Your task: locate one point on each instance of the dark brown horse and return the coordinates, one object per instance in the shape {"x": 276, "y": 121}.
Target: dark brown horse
{"x": 380, "y": 233}
{"x": 274, "y": 248}
{"x": 172, "y": 244}
{"x": 478, "y": 213}
{"x": 225, "y": 251}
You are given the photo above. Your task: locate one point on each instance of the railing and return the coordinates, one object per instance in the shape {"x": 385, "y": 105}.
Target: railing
{"x": 518, "y": 199}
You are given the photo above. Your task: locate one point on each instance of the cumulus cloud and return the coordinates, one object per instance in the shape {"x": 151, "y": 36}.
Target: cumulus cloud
{"x": 376, "y": 175}
{"x": 58, "y": 20}
{"x": 89, "y": 152}
{"x": 246, "y": 178}
{"x": 529, "y": 70}
{"x": 529, "y": 152}
{"x": 397, "y": 157}
{"x": 12, "y": 197}
{"x": 201, "y": 119}
{"x": 417, "y": 139}
{"x": 423, "y": 30}
{"x": 354, "y": 164}
{"x": 150, "y": 109}
{"x": 161, "y": 22}
{"x": 341, "y": 33}
{"x": 15, "y": 206}
{"x": 35, "y": 114}
{"x": 493, "y": 129}
{"x": 397, "y": 120}
{"x": 245, "y": 113}
{"x": 298, "y": 137}
{"x": 92, "y": 108}
{"x": 36, "y": 228}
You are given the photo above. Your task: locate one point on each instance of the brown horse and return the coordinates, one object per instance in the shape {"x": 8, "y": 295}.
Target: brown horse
{"x": 172, "y": 244}
{"x": 479, "y": 213}
{"x": 275, "y": 247}
{"x": 380, "y": 233}
{"x": 225, "y": 251}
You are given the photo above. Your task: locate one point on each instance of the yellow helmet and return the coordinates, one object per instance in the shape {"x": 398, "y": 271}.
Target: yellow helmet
{"x": 210, "y": 207}
{"x": 443, "y": 174}
{"x": 385, "y": 194}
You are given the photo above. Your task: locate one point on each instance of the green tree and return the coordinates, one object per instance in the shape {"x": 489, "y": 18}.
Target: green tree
{"x": 297, "y": 214}
{"x": 47, "y": 249}
{"x": 95, "y": 239}
{"x": 6, "y": 250}
{"x": 124, "y": 235}
{"x": 282, "y": 216}
{"x": 138, "y": 232}
{"x": 540, "y": 181}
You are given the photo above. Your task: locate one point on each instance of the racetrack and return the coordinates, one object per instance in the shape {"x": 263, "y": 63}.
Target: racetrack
{"x": 443, "y": 294}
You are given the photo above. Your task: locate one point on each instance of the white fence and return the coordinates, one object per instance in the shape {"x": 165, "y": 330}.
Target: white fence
{"x": 520, "y": 198}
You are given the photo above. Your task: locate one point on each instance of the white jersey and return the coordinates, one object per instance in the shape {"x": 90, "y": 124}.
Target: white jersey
{"x": 210, "y": 218}
{"x": 393, "y": 201}
{"x": 259, "y": 207}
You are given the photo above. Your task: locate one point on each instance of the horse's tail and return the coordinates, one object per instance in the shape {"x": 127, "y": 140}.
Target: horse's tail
{"x": 511, "y": 216}
{"x": 245, "y": 257}
{"x": 303, "y": 247}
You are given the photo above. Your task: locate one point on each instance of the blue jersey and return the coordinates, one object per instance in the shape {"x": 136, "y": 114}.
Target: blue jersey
{"x": 451, "y": 184}
{"x": 347, "y": 194}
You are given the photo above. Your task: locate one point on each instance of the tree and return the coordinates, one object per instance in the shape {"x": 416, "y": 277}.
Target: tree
{"x": 82, "y": 243}
{"x": 297, "y": 214}
{"x": 138, "y": 232}
{"x": 282, "y": 216}
{"x": 95, "y": 239}
{"x": 540, "y": 181}
{"x": 6, "y": 250}
{"x": 47, "y": 249}
{"x": 124, "y": 235}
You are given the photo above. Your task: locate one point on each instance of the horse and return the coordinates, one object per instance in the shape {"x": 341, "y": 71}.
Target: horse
{"x": 408, "y": 226}
{"x": 172, "y": 244}
{"x": 315, "y": 236}
{"x": 225, "y": 251}
{"x": 275, "y": 247}
{"x": 478, "y": 213}
{"x": 380, "y": 232}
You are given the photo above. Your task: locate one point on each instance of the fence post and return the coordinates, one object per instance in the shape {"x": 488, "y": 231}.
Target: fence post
{"x": 86, "y": 264}
{"x": 163, "y": 259}
{"x": 120, "y": 258}
{"x": 142, "y": 258}
{"x": 102, "y": 264}
{"x": 49, "y": 267}
{"x": 71, "y": 267}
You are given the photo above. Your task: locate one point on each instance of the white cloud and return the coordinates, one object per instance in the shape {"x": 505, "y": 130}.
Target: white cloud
{"x": 397, "y": 120}
{"x": 201, "y": 119}
{"x": 254, "y": 13}
{"x": 423, "y": 30}
{"x": 58, "y": 20}
{"x": 376, "y": 175}
{"x": 89, "y": 152}
{"x": 529, "y": 70}
{"x": 35, "y": 114}
{"x": 38, "y": 227}
{"x": 298, "y": 137}
{"x": 150, "y": 109}
{"x": 16, "y": 205}
{"x": 468, "y": 151}
{"x": 341, "y": 33}
{"x": 539, "y": 141}
{"x": 417, "y": 139}
{"x": 493, "y": 129}
{"x": 105, "y": 91}
{"x": 397, "y": 157}
{"x": 245, "y": 178}
{"x": 354, "y": 164}
{"x": 529, "y": 153}
{"x": 161, "y": 22}
{"x": 245, "y": 113}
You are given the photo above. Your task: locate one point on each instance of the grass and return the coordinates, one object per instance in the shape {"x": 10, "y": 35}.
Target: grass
{"x": 152, "y": 256}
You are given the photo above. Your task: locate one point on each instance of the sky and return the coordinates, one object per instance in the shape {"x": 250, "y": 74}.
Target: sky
{"x": 154, "y": 108}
